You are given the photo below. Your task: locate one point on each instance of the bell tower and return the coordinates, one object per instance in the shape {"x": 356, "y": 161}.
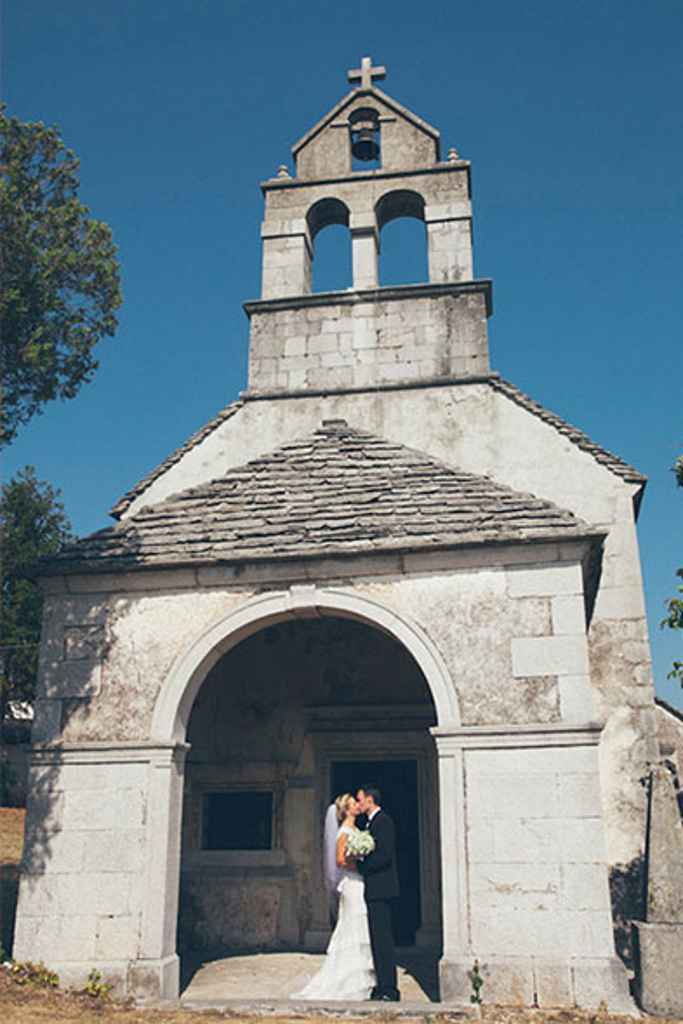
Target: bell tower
{"x": 367, "y": 162}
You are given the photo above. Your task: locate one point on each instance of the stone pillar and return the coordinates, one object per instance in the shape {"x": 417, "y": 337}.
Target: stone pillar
{"x": 525, "y": 887}
{"x": 156, "y": 972}
{"x": 449, "y": 242}
{"x": 453, "y": 858}
{"x": 100, "y": 871}
{"x": 287, "y": 256}
{"x": 660, "y": 939}
{"x": 365, "y": 250}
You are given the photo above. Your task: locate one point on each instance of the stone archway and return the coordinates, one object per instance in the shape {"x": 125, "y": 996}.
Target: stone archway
{"x": 175, "y": 703}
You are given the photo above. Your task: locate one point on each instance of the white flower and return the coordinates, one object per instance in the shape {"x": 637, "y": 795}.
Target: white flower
{"x": 359, "y": 844}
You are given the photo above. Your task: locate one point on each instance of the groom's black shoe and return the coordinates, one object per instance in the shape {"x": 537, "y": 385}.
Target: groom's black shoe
{"x": 392, "y": 996}
{"x": 375, "y": 994}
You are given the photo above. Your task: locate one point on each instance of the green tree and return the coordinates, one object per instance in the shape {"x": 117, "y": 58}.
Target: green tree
{"x": 674, "y": 607}
{"x": 59, "y": 277}
{"x": 32, "y": 523}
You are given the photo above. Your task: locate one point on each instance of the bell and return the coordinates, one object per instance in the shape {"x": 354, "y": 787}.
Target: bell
{"x": 364, "y": 145}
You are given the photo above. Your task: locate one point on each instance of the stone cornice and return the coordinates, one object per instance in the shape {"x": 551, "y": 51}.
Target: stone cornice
{"x": 444, "y": 167}
{"x": 107, "y": 752}
{"x": 392, "y": 293}
{"x": 450, "y": 739}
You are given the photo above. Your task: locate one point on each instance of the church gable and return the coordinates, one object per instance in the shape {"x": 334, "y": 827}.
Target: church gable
{"x": 366, "y": 121}
{"x": 186, "y": 466}
{"x": 339, "y": 491}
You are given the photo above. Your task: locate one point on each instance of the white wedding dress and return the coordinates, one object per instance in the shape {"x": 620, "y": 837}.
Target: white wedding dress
{"x": 348, "y": 972}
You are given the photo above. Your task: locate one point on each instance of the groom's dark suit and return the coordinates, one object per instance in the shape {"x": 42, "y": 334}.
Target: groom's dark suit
{"x": 381, "y": 887}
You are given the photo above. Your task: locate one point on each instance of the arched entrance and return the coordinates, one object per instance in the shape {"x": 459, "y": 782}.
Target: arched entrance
{"x": 328, "y": 755}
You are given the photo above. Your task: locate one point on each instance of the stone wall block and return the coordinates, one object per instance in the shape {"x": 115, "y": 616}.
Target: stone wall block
{"x": 114, "y": 851}
{"x": 506, "y": 984}
{"x": 520, "y": 795}
{"x": 515, "y": 886}
{"x": 569, "y": 615}
{"x": 296, "y": 345}
{"x": 579, "y": 796}
{"x": 584, "y": 887}
{"x": 549, "y": 656}
{"x": 660, "y": 950}
{"x": 323, "y": 343}
{"x": 480, "y": 839}
{"x": 602, "y": 981}
{"x": 528, "y": 841}
{"x": 102, "y": 893}
{"x": 582, "y": 841}
{"x": 546, "y": 581}
{"x": 117, "y": 937}
{"x": 576, "y": 698}
{"x": 552, "y": 983}
{"x": 61, "y": 852}
{"x": 88, "y": 809}
{"x": 297, "y": 379}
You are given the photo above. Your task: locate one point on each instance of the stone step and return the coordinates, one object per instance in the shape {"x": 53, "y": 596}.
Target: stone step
{"x": 308, "y": 1008}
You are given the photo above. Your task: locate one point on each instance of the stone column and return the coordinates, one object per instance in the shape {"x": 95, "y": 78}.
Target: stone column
{"x": 365, "y": 249}
{"x": 660, "y": 938}
{"x": 287, "y": 256}
{"x": 452, "y": 831}
{"x": 156, "y": 972}
{"x": 449, "y": 242}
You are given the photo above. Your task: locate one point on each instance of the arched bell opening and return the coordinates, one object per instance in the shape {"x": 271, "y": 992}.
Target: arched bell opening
{"x": 285, "y": 719}
{"x": 364, "y": 132}
{"x": 404, "y": 254}
{"x": 328, "y": 226}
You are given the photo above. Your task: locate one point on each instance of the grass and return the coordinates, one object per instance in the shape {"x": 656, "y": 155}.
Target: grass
{"x": 11, "y": 834}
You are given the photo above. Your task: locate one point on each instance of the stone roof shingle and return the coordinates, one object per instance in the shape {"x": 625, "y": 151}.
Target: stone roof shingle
{"x": 338, "y": 491}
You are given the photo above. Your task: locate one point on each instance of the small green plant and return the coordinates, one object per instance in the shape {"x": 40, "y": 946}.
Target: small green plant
{"x": 477, "y": 983}
{"x": 4, "y": 955}
{"x": 28, "y": 973}
{"x": 95, "y": 987}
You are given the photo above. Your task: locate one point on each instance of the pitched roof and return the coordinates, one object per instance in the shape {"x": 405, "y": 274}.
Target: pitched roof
{"x": 611, "y": 462}
{"x": 141, "y": 486}
{"x": 349, "y": 98}
{"x": 581, "y": 440}
{"x": 338, "y": 491}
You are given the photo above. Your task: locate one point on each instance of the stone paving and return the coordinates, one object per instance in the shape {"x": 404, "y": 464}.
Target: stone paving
{"x": 274, "y": 976}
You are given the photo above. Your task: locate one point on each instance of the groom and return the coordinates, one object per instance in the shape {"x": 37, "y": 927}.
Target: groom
{"x": 381, "y": 887}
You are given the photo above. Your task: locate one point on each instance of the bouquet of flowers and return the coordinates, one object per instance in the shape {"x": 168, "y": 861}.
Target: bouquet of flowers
{"x": 359, "y": 844}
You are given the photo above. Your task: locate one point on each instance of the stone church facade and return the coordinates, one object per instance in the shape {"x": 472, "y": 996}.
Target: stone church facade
{"x": 382, "y": 557}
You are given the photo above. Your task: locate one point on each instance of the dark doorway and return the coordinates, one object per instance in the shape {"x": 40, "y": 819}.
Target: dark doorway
{"x": 398, "y": 782}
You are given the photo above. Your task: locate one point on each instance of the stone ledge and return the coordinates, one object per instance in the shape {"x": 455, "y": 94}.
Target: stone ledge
{"x": 310, "y": 1008}
{"x": 443, "y": 167}
{"x": 389, "y": 294}
{"x": 552, "y": 734}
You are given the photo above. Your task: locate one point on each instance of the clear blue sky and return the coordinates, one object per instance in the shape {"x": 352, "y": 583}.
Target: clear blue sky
{"x": 570, "y": 112}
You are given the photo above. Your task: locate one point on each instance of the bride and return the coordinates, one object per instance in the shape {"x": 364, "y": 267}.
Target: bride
{"x": 347, "y": 972}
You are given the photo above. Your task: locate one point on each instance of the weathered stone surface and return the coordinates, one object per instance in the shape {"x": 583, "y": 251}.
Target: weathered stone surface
{"x": 339, "y": 490}
{"x": 660, "y": 976}
{"x": 414, "y": 332}
{"x": 665, "y": 852}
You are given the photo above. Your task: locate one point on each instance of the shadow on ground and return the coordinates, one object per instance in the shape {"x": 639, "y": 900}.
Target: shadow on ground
{"x": 232, "y": 975}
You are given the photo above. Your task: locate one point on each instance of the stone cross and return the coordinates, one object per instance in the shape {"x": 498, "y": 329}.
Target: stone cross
{"x": 365, "y": 73}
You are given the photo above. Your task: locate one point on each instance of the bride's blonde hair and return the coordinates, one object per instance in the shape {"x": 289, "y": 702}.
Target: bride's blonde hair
{"x": 341, "y": 803}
